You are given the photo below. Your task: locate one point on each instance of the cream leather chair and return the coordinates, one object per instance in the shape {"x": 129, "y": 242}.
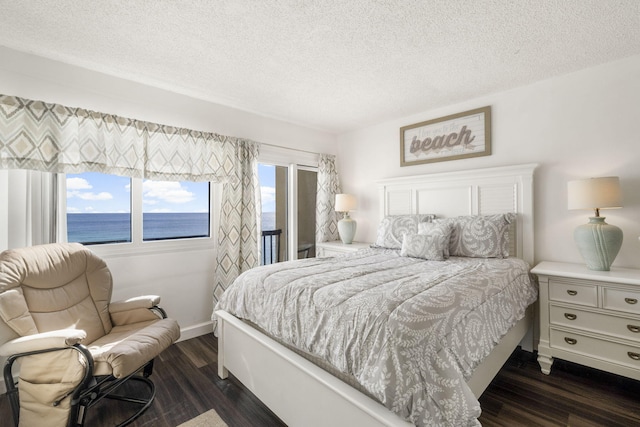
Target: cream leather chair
{"x": 73, "y": 346}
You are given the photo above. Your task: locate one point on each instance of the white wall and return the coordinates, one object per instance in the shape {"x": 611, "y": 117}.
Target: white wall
{"x": 575, "y": 126}
{"x": 184, "y": 279}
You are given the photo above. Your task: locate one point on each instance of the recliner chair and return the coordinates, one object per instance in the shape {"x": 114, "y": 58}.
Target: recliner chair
{"x": 74, "y": 346}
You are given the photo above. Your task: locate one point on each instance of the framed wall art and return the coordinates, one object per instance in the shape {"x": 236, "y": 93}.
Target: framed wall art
{"x": 458, "y": 136}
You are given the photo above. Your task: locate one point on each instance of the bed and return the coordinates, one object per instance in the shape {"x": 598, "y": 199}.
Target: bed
{"x": 284, "y": 368}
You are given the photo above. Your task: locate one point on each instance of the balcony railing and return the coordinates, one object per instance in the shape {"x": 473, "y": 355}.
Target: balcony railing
{"x": 270, "y": 246}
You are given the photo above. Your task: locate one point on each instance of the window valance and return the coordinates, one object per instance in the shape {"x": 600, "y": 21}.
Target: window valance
{"x": 55, "y": 138}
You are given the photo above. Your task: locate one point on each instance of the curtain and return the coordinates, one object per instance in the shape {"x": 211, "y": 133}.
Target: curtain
{"x": 327, "y": 188}
{"x": 53, "y": 138}
{"x": 176, "y": 154}
{"x": 238, "y": 236}
{"x": 32, "y": 196}
{"x": 46, "y": 137}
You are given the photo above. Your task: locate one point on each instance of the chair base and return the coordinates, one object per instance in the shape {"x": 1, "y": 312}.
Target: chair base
{"x": 106, "y": 388}
{"x": 145, "y": 403}
{"x": 90, "y": 392}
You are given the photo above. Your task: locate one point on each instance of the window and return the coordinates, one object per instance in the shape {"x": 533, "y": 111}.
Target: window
{"x": 98, "y": 208}
{"x": 175, "y": 210}
{"x": 108, "y": 209}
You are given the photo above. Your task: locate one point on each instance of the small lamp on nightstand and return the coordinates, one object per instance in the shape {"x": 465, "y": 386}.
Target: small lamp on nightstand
{"x": 346, "y": 226}
{"x": 597, "y": 241}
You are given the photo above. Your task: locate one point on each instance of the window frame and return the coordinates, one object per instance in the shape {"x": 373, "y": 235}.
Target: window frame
{"x": 138, "y": 246}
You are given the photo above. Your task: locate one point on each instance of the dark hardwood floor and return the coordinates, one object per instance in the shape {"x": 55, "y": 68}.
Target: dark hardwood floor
{"x": 187, "y": 385}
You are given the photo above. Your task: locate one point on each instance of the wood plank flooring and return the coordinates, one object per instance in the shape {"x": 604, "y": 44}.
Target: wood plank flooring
{"x": 187, "y": 385}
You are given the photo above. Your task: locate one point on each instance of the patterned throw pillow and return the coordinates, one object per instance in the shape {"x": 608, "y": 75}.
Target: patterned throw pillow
{"x": 480, "y": 236}
{"x": 431, "y": 245}
{"x": 392, "y": 228}
{"x": 444, "y": 228}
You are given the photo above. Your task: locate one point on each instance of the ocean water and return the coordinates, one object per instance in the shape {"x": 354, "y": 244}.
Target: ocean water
{"x": 116, "y": 227}
{"x": 96, "y": 228}
{"x": 268, "y": 220}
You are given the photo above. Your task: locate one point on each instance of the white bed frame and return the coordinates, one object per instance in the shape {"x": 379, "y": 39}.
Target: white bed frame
{"x": 301, "y": 393}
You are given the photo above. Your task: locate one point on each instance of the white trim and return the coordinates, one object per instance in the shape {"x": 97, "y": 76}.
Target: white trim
{"x": 282, "y": 156}
{"x": 292, "y": 212}
{"x": 194, "y": 331}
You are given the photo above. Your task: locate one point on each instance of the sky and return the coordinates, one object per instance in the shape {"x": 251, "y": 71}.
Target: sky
{"x": 267, "y": 174}
{"x": 99, "y": 193}
{"x": 92, "y": 192}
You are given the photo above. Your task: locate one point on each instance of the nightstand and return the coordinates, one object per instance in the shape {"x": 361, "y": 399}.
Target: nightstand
{"x": 589, "y": 317}
{"x": 335, "y": 248}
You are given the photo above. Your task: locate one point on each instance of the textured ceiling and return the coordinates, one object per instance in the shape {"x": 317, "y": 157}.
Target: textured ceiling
{"x": 335, "y": 65}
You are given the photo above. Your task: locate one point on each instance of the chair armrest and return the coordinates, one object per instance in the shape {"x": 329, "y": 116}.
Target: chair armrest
{"x": 60, "y": 338}
{"x": 147, "y": 301}
{"x": 134, "y": 310}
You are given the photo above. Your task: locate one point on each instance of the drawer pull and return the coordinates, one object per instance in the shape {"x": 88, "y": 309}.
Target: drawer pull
{"x": 633, "y": 328}
{"x": 634, "y": 356}
{"x": 573, "y": 341}
{"x": 631, "y": 300}
{"x": 571, "y": 316}
{"x": 572, "y": 292}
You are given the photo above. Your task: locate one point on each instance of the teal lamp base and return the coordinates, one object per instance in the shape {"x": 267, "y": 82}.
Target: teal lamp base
{"x": 598, "y": 243}
{"x": 347, "y": 229}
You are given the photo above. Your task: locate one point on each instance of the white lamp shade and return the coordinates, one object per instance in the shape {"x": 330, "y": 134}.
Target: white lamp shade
{"x": 595, "y": 193}
{"x": 345, "y": 202}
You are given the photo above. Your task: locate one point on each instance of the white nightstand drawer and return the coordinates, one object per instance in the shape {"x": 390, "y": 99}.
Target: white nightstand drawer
{"x": 572, "y": 293}
{"x": 621, "y": 354}
{"x": 337, "y": 248}
{"x": 595, "y": 322}
{"x": 621, "y": 300}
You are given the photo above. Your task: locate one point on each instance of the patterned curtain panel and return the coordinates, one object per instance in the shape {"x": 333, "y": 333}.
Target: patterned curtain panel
{"x": 175, "y": 154}
{"x": 239, "y": 232}
{"x": 54, "y": 138}
{"x": 328, "y": 187}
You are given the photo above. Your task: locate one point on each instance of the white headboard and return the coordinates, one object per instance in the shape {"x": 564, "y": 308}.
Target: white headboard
{"x": 470, "y": 192}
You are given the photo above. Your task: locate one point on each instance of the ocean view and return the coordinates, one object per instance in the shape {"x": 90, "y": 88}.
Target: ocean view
{"x": 268, "y": 220}
{"x": 116, "y": 227}
{"x": 96, "y": 228}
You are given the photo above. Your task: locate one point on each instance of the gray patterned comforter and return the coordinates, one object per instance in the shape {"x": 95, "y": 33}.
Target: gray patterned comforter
{"x": 409, "y": 331}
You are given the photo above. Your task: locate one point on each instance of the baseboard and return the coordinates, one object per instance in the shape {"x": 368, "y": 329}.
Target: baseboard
{"x": 196, "y": 330}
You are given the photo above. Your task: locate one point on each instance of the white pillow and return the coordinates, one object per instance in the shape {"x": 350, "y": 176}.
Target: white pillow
{"x": 392, "y": 228}
{"x": 431, "y": 245}
{"x": 444, "y": 228}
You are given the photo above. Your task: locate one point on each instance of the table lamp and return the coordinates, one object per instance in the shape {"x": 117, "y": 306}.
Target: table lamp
{"x": 597, "y": 241}
{"x": 346, "y": 226}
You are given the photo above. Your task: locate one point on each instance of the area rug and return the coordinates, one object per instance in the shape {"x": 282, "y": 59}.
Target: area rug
{"x": 208, "y": 419}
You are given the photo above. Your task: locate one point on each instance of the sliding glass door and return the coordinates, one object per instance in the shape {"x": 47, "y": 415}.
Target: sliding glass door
{"x": 274, "y": 217}
{"x": 287, "y": 222}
